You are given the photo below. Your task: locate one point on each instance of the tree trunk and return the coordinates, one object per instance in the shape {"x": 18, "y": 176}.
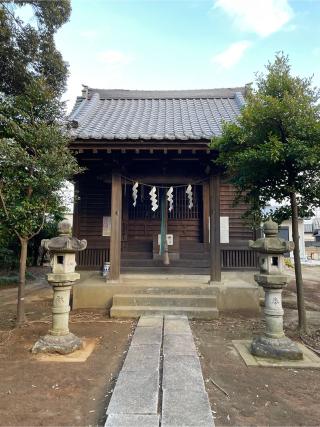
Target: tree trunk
{"x": 22, "y": 281}
{"x": 297, "y": 266}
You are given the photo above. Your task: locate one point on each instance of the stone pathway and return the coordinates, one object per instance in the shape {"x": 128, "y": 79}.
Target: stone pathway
{"x": 161, "y": 382}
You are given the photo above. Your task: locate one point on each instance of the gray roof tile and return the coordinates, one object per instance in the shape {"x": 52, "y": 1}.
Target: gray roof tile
{"x": 130, "y": 115}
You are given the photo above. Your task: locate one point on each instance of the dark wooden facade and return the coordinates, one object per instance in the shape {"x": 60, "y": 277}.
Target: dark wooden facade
{"x": 113, "y": 167}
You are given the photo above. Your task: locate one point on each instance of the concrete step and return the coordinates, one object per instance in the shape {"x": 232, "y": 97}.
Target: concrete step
{"x": 168, "y": 300}
{"x": 142, "y": 262}
{"x": 191, "y": 312}
{"x": 166, "y": 270}
{"x": 166, "y": 289}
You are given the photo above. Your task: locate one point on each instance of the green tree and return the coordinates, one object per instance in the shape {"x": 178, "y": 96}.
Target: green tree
{"x": 34, "y": 156}
{"x": 27, "y": 50}
{"x": 34, "y": 163}
{"x": 273, "y": 151}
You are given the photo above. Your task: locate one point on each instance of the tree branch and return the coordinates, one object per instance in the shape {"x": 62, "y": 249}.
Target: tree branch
{"x": 41, "y": 226}
{"x": 3, "y": 203}
{"x": 4, "y": 207}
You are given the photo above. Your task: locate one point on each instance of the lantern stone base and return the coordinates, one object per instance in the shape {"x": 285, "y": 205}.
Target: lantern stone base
{"x": 276, "y": 348}
{"x": 63, "y": 344}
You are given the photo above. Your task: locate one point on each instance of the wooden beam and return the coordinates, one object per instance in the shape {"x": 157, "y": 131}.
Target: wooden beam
{"x": 215, "y": 257}
{"x": 116, "y": 218}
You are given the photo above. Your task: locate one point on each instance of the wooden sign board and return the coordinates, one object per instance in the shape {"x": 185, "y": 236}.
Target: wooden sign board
{"x": 169, "y": 239}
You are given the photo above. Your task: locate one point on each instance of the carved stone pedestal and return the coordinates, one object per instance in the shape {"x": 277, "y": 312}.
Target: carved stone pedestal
{"x": 62, "y": 251}
{"x": 63, "y": 344}
{"x": 59, "y": 339}
{"x": 273, "y": 344}
{"x": 276, "y": 348}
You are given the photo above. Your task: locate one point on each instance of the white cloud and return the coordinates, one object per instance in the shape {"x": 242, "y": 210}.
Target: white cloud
{"x": 262, "y": 17}
{"x": 232, "y": 55}
{"x": 114, "y": 57}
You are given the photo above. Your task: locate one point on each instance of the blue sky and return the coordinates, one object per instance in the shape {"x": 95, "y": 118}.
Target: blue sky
{"x": 185, "y": 44}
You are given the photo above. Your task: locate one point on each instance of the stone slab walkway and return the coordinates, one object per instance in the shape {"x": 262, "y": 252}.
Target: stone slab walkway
{"x": 161, "y": 383}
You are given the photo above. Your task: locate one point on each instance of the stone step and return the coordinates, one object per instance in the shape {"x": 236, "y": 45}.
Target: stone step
{"x": 190, "y": 312}
{"x": 176, "y": 300}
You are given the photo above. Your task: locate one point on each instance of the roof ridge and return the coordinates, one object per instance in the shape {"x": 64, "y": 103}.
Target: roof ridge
{"x": 166, "y": 94}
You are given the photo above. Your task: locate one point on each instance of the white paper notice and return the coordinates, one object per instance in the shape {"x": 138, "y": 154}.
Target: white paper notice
{"x": 224, "y": 229}
{"x": 106, "y": 226}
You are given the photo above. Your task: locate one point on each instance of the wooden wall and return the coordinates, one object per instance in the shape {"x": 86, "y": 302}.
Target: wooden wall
{"x": 94, "y": 203}
{"x": 237, "y": 228}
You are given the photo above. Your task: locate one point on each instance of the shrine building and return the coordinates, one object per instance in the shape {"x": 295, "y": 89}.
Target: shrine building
{"x": 151, "y": 200}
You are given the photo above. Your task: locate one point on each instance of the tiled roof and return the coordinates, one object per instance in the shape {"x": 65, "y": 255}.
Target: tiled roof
{"x": 175, "y": 115}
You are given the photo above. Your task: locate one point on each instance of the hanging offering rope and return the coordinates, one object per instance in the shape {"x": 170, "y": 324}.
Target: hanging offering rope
{"x": 135, "y": 193}
{"x": 141, "y": 184}
{"x": 153, "y": 198}
{"x": 155, "y": 192}
{"x": 190, "y": 196}
{"x": 170, "y": 198}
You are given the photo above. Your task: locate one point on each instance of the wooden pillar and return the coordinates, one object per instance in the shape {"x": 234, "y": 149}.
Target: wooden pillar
{"x": 206, "y": 212}
{"x": 164, "y": 228}
{"x": 215, "y": 257}
{"x": 76, "y": 219}
{"x": 116, "y": 218}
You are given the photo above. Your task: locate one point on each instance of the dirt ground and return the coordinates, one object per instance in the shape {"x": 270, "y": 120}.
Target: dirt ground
{"x": 257, "y": 396}
{"x": 261, "y": 396}
{"x": 34, "y": 393}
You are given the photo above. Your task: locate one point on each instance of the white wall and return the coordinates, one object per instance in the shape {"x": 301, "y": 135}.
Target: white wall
{"x": 287, "y": 223}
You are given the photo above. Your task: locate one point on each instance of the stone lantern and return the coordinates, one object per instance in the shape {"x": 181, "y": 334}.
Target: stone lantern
{"x": 62, "y": 251}
{"x": 271, "y": 250}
